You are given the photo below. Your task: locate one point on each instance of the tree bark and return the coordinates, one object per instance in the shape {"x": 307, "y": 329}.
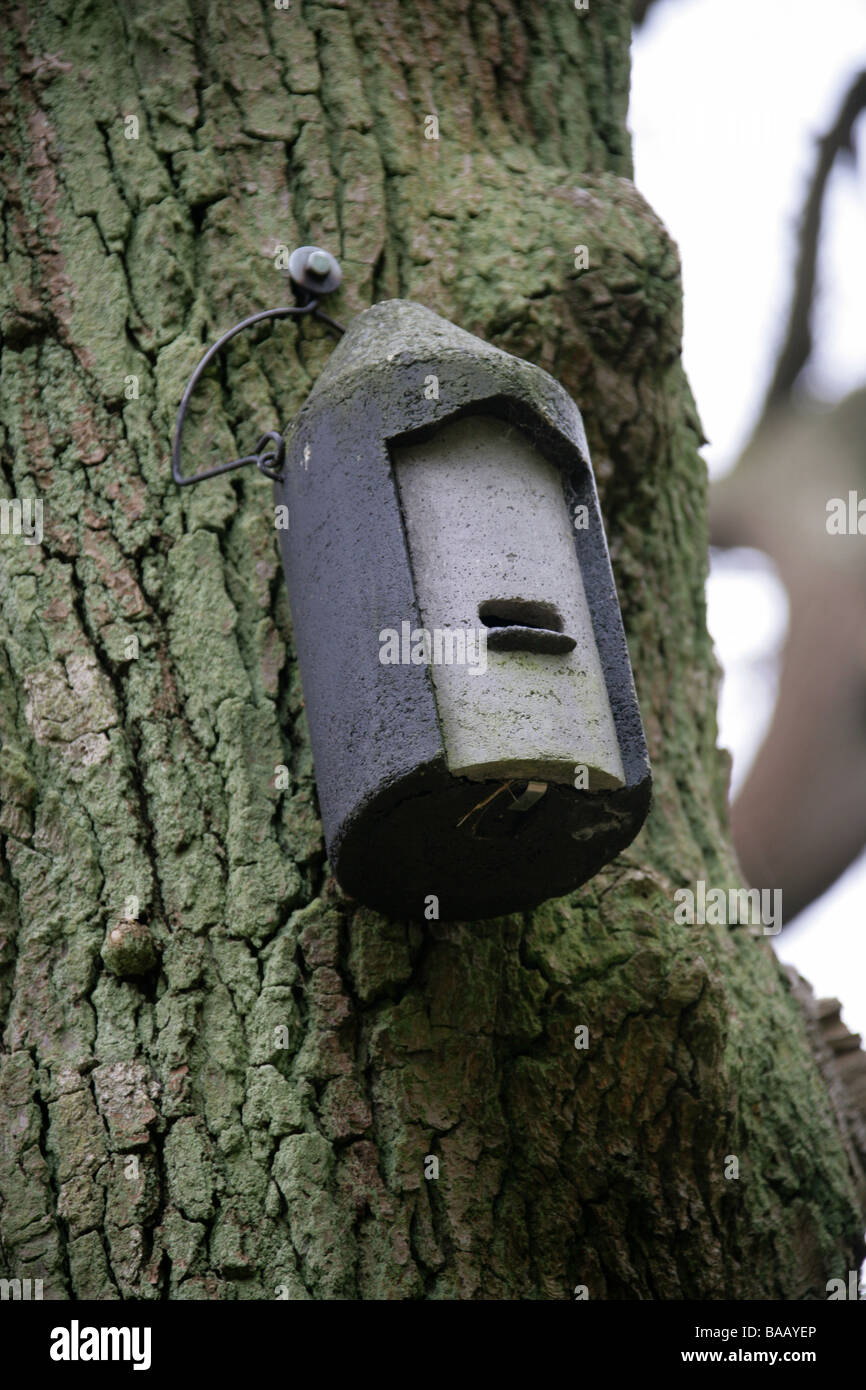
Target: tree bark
{"x": 252, "y": 1116}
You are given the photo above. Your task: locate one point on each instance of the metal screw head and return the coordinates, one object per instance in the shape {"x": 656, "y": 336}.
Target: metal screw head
{"x": 315, "y": 270}
{"x": 319, "y": 263}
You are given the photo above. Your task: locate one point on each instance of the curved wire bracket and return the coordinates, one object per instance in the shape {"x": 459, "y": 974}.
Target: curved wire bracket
{"x": 267, "y": 460}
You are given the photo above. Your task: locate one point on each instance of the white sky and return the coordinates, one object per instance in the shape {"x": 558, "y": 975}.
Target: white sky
{"x": 728, "y": 98}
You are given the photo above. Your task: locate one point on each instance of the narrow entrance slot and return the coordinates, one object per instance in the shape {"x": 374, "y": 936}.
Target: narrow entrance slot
{"x": 524, "y": 625}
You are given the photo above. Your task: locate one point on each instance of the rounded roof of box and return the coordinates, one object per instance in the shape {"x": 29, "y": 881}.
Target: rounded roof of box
{"x": 396, "y": 334}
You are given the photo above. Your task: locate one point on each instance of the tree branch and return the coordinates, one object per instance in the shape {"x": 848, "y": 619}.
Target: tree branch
{"x": 640, "y": 9}
{"x": 797, "y": 346}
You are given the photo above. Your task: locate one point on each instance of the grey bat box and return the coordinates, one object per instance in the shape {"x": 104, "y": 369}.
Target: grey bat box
{"x": 476, "y": 737}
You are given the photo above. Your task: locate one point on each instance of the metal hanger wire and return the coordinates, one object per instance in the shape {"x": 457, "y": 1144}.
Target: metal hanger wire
{"x": 313, "y": 283}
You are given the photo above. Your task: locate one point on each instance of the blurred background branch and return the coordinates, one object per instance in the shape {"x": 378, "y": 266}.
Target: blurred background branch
{"x": 797, "y": 347}
{"x": 771, "y": 244}
{"x": 640, "y": 9}
{"x": 800, "y": 818}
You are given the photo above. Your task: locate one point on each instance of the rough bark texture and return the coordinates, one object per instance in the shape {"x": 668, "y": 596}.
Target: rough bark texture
{"x": 282, "y": 1074}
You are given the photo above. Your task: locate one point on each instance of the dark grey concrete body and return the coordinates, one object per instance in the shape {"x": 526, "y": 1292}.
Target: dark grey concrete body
{"x": 391, "y": 808}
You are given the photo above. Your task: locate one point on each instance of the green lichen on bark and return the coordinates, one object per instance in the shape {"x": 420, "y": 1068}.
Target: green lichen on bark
{"x": 249, "y": 1115}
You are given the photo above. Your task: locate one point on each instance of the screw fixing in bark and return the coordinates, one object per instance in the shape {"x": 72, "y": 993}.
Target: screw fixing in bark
{"x": 315, "y": 270}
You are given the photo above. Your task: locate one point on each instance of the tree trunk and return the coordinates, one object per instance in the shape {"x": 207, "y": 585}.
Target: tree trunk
{"x": 221, "y": 1079}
